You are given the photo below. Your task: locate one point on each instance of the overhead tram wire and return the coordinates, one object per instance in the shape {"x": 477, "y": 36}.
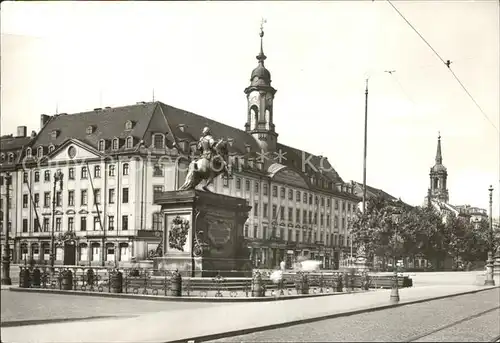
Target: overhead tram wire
{"x": 446, "y": 63}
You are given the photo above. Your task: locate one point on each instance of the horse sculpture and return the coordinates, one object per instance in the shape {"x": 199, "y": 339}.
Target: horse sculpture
{"x": 203, "y": 169}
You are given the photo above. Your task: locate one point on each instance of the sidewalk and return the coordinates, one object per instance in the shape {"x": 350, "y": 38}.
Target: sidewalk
{"x": 228, "y": 317}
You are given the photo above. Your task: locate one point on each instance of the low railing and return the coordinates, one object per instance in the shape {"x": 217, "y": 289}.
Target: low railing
{"x": 170, "y": 283}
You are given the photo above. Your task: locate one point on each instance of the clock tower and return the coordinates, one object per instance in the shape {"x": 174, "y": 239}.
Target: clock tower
{"x": 260, "y": 96}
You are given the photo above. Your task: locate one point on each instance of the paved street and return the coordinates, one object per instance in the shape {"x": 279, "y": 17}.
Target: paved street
{"x": 35, "y": 306}
{"x": 443, "y": 320}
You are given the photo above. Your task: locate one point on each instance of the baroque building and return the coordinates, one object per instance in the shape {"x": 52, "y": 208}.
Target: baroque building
{"x": 114, "y": 160}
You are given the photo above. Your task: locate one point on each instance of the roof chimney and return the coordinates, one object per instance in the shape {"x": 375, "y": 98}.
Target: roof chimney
{"x": 97, "y": 109}
{"x": 21, "y": 131}
{"x": 182, "y": 127}
{"x": 44, "y": 120}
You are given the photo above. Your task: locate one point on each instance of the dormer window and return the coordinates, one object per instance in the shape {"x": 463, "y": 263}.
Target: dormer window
{"x": 39, "y": 152}
{"x": 52, "y": 148}
{"x": 158, "y": 141}
{"x": 115, "y": 144}
{"x": 102, "y": 145}
{"x": 90, "y": 129}
{"x": 54, "y": 134}
{"x": 28, "y": 152}
{"x": 129, "y": 125}
{"x": 11, "y": 158}
{"x": 2, "y": 157}
{"x": 130, "y": 142}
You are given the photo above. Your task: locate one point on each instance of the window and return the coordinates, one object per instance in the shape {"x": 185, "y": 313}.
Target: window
{"x": 51, "y": 148}
{"x": 310, "y": 217}
{"x": 71, "y": 224}
{"x": 274, "y": 212}
{"x": 83, "y": 223}
{"x": 304, "y": 198}
{"x": 275, "y": 191}
{"x": 297, "y": 195}
{"x": 125, "y": 196}
{"x": 157, "y": 221}
{"x": 71, "y": 198}
{"x": 265, "y": 191}
{"x": 315, "y": 218}
{"x": 46, "y": 176}
{"x": 304, "y": 217}
{"x": 46, "y": 199}
{"x": 321, "y": 219}
{"x": 343, "y": 206}
{"x": 297, "y": 235}
{"x": 282, "y": 212}
{"x": 297, "y": 215}
{"x": 349, "y": 207}
{"x": 290, "y": 214}
{"x": 246, "y": 230}
{"x": 257, "y": 186}
{"x": 157, "y": 189}
{"x": 328, "y": 220}
{"x": 157, "y": 171}
{"x": 111, "y": 196}
{"x": 40, "y": 151}
{"x": 225, "y": 182}
{"x": 58, "y": 198}
{"x": 111, "y": 170}
{"x": 336, "y": 222}
{"x": 256, "y": 209}
{"x": 71, "y": 173}
{"x": 36, "y": 226}
{"x": 322, "y": 201}
{"x": 46, "y": 224}
{"x": 290, "y": 194}
{"x": 130, "y": 142}
{"x": 84, "y": 173}
{"x": 25, "y": 225}
{"x": 97, "y": 196}
{"x": 101, "y": 145}
{"x": 265, "y": 211}
{"x": 37, "y": 176}
{"x": 125, "y": 169}
{"x": 343, "y": 223}
{"x": 336, "y": 204}
{"x": 25, "y": 200}
{"x": 256, "y": 231}
{"x": 310, "y": 199}
{"x": 28, "y": 152}
{"x": 25, "y": 177}
{"x": 328, "y": 202}
{"x": 316, "y": 200}
{"x": 111, "y": 223}
{"x": 83, "y": 197}
{"x": 282, "y": 192}
{"x": 37, "y": 199}
{"x": 238, "y": 183}
{"x": 58, "y": 224}
{"x": 97, "y": 223}
{"x": 124, "y": 222}
{"x": 264, "y": 232}
{"x": 115, "y": 144}
{"x": 97, "y": 171}
{"x": 158, "y": 141}
{"x": 247, "y": 185}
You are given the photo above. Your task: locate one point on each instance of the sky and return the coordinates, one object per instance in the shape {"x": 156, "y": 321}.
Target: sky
{"x": 75, "y": 56}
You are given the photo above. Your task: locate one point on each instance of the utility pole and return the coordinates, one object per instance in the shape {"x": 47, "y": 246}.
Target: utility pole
{"x": 489, "y": 281}
{"x": 6, "y": 255}
{"x": 365, "y": 147}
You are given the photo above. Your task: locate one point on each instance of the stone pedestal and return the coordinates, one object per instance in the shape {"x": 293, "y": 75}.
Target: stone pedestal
{"x": 203, "y": 234}
{"x": 496, "y": 263}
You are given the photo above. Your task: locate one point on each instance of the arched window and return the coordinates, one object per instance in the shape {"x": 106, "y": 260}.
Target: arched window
{"x": 51, "y": 148}
{"x": 129, "y": 125}
{"x": 40, "y": 151}
{"x": 115, "y": 144}
{"x": 28, "y": 152}
{"x": 130, "y": 142}
{"x": 102, "y": 145}
{"x": 11, "y": 157}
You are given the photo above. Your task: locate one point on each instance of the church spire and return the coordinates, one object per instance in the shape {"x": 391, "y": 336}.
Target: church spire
{"x": 439, "y": 157}
{"x": 261, "y": 57}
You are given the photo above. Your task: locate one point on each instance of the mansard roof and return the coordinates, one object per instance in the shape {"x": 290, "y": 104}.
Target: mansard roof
{"x": 12, "y": 145}
{"x": 177, "y": 125}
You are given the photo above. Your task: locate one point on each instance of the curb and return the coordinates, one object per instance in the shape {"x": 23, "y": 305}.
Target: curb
{"x": 320, "y": 318}
{"x": 15, "y": 323}
{"x": 178, "y": 299}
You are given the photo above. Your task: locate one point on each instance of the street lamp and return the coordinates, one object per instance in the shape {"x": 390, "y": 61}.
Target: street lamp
{"x": 395, "y": 287}
{"x": 6, "y": 255}
{"x": 58, "y": 177}
{"x": 489, "y": 281}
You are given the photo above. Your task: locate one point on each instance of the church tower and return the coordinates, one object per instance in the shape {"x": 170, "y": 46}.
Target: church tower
{"x": 438, "y": 176}
{"x": 260, "y": 96}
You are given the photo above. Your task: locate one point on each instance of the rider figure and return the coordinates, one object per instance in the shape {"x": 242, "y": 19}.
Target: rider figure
{"x": 206, "y": 144}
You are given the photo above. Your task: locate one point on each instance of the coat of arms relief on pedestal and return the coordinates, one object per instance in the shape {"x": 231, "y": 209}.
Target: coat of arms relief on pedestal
{"x": 178, "y": 233}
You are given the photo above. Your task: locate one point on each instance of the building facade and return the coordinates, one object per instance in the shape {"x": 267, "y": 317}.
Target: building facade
{"x": 114, "y": 160}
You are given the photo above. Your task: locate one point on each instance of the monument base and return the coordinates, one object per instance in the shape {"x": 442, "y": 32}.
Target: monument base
{"x": 203, "y": 267}
{"x": 203, "y": 234}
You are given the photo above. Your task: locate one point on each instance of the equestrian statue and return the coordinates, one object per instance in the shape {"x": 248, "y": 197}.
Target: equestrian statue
{"x": 212, "y": 162}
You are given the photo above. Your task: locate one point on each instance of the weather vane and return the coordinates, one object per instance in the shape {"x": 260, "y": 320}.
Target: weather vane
{"x": 262, "y": 22}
